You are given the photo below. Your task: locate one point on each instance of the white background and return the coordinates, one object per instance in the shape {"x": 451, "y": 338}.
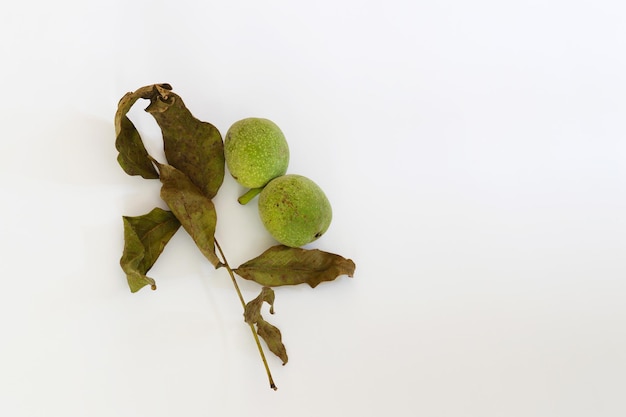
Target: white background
{"x": 474, "y": 155}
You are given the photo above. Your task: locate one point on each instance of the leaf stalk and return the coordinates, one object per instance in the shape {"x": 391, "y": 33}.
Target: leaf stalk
{"x": 243, "y": 304}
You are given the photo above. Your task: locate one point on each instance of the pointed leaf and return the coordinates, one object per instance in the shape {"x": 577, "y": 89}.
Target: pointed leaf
{"x": 273, "y": 338}
{"x": 144, "y": 239}
{"x": 133, "y": 156}
{"x": 283, "y": 265}
{"x": 191, "y": 146}
{"x": 268, "y": 332}
{"x": 192, "y": 208}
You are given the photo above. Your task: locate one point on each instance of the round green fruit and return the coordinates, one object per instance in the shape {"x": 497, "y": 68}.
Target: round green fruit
{"x": 294, "y": 210}
{"x": 256, "y": 152}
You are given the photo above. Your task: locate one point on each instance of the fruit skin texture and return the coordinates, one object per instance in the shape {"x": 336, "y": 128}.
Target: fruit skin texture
{"x": 256, "y": 151}
{"x": 295, "y": 210}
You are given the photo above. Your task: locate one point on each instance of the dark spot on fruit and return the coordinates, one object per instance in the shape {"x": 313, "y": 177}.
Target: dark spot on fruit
{"x": 318, "y": 234}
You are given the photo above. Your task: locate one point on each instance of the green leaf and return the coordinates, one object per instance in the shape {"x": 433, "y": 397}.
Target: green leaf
{"x": 192, "y": 208}
{"x": 191, "y": 146}
{"x": 133, "y": 156}
{"x": 283, "y": 265}
{"x": 144, "y": 239}
{"x": 268, "y": 332}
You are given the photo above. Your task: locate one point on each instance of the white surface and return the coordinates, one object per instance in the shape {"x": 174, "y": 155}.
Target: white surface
{"x": 474, "y": 156}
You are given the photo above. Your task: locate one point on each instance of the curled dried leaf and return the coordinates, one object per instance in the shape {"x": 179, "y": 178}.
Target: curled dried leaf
{"x": 192, "y": 208}
{"x": 133, "y": 156}
{"x": 192, "y": 146}
{"x": 144, "y": 239}
{"x": 268, "y": 332}
{"x": 283, "y": 265}
{"x": 252, "y": 312}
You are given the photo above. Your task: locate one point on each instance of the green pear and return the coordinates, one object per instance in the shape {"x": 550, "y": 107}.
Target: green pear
{"x": 295, "y": 210}
{"x": 256, "y": 151}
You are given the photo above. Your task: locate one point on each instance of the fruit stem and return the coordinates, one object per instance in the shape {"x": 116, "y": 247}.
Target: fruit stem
{"x": 249, "y": 195}
{"x": 243, "y": 304}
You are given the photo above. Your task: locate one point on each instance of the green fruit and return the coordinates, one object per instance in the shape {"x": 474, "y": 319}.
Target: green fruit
{"x": 294, "y": 210}
{"x": 256, "y": 152}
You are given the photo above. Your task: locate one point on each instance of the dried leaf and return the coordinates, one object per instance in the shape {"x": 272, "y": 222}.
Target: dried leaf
{"x": 144, "y": 239}
{"x": 192, "y": 208}
{"x": 191, "y": 146}
{"x": 273, "y": 339}
{"x": 266, "y": 331}
{"x": 282, "y": 265}
{"x": 252, "y": 312}
{"x": 133, "y": 156}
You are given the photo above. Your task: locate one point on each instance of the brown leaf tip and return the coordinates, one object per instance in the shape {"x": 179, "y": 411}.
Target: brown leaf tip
{"x": 352, "y": 268}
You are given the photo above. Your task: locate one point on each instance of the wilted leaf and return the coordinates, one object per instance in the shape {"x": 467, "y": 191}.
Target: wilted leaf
{"x": 192, "y": 146}
{"x": 192, "y": 208}
{"x": 144, "y": 239}
{"x": 266, "y": 331}
{"x": 252, "y": 312}
{"x": 282, "y": 265}
{"x": 133, "y": 156}
{"x": 273, "y": 339}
